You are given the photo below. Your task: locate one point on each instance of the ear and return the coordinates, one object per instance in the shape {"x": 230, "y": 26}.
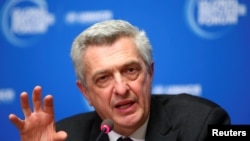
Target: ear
{"x": 84, "y": 91}
{"x": 151, "y": 70}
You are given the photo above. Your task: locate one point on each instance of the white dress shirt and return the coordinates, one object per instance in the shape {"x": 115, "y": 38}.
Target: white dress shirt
{"x": 138, "y": 135}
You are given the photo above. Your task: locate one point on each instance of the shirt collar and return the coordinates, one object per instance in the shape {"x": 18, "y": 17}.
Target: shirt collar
{"x": 138, "y": 135}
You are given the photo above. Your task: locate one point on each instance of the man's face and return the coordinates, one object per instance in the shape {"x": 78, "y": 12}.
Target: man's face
{"x": 118, "y": 84}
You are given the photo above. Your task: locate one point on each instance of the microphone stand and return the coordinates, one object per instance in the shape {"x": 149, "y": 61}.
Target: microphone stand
{"x": 101, "y": 134}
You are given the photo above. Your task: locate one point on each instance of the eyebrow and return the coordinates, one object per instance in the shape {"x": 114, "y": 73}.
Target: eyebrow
{"x": 131, "y": 63}
{"x": 102, "y": 71}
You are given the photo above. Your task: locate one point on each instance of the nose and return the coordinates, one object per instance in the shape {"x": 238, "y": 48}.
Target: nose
{"x": 120, "y": 85}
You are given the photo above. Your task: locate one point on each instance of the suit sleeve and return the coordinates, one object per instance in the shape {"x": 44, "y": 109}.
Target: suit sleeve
{"x": 217, "y": 116}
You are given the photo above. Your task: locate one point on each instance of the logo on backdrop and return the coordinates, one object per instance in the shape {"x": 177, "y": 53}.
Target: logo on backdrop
{"x": 213, "y": 18}
{"x": 7, "y": 95}
{"x": 23, "y": 22}
{"x": 88, "y": 17}
{"x": 194, "y": 89}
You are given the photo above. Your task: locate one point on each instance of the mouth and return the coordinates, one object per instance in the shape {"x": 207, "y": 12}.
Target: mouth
{"x": 125, "y": 107}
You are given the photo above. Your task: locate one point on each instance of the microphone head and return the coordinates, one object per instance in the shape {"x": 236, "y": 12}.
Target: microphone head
{"x": 107, "y": 125}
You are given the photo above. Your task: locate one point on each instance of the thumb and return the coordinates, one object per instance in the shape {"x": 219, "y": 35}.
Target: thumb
{"x": 60, "y": 136}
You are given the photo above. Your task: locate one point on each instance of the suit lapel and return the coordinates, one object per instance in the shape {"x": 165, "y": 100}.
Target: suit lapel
{"x": 159, "y": 127}
{"x": 95, "y": 130}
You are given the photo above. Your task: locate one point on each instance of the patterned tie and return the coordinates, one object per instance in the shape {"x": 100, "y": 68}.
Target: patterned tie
{"x": 124, "y": 139}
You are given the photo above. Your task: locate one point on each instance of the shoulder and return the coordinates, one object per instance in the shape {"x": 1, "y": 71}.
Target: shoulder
{"x": 78, "y": 118}
{"x": 184, "y": 100}
{"x": 84, "y": 126}
{"x": 189, "y": 114}
{"x": 186, "y": 106}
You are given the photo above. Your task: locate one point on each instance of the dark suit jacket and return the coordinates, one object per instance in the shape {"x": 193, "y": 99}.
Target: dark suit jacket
{"x": 172, "y": 117}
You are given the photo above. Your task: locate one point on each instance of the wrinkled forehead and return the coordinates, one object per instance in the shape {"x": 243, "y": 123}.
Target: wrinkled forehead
{"x": 104, "y": 56}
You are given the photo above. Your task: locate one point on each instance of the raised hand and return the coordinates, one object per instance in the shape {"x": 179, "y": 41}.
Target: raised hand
{"x": 39, "y": 124}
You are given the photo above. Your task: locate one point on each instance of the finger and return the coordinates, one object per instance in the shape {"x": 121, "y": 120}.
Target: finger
{"x": 60, "y": 136}
{"x": 16, "y": 121}
{"x": 36, "y": 98}
{"x": 48, "y": 104}
{"x": 25, "y": 104}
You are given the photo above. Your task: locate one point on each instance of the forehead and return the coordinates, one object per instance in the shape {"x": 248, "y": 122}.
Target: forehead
{"x": 106, "y": 56}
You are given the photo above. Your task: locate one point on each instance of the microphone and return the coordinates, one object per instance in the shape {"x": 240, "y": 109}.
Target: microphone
{"x": 106, "y": 126}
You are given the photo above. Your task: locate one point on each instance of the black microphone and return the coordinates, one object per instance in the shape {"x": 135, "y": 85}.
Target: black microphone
{"x": 106, "y": 126}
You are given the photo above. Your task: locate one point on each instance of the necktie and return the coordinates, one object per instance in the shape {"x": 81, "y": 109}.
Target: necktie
{"x": 124, "y": 139}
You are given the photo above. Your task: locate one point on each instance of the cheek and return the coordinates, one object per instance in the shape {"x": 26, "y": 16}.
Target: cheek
{"x": 144, "y": 84}
{"x": 100, "y": 97}
{"x": 101, "y": 103}
{"x": 142, "y": 88}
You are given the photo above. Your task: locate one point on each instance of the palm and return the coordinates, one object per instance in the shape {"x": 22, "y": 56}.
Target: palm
{"x": 39, "y": 124}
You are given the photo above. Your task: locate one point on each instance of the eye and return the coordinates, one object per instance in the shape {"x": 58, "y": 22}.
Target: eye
{"x": 103, "y": 80}
{"x": 132, "y": 72}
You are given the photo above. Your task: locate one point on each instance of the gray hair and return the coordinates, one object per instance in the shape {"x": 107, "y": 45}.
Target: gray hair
{"x": 107, "y": 32}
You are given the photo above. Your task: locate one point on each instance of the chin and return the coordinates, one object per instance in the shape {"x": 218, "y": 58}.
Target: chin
{"x": 130, "y": 121}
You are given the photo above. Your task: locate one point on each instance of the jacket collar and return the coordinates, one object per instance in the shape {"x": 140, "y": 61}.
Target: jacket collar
{"x": 159, "y": 127}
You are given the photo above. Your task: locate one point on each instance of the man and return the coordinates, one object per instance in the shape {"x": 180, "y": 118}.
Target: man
{"x": 114, "y": 67}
